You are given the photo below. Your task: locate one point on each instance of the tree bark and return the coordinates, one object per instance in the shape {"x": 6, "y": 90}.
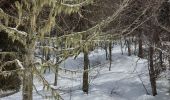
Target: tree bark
{"x": 27, "y": 85}
{"x": 85, "y": 73}
{"x": 105, "y": 47}
{"x": 169, "y": 62}
{"x": 110, "y": 55}
{"x": 161, "y": 59}
{"x": 121, "y": 45}
{"x": 56, "y": 76}
{"x": 152, "y": 72}
{"x": 135, "y": 46}
{"x": 129, "y": 48}
{"x": 140, "y": 53}
{"x": 28, "y": 72}
{"x": 28, "y": 76}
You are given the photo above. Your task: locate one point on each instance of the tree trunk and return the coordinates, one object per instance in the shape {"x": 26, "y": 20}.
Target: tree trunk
{"x": 85, "y": 73}
{"x": 161, "y": 59}
{"x": 28, "y": 72}
{"x": 105, "y": 47}
{"x": 56, "y": 76}
{"x": 152, "y": 72}
{"x": 129, "y": 47}
{"x": 140, "y": 53}
{"x": 110, "y": 55}
{"x": 28, "y": 76}
{"x": 135, "y": 47}
{"x": 27, "y": 85}
{"x": 121, "y": 46}
{"x": 169, "y": 62}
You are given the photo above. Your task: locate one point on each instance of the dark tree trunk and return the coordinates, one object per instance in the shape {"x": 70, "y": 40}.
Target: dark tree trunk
{"x": 56, "y": 70}
{"x": 169, "y": 62}
{"x": 85, "y": 73}
{"x": 121, "y": 46}
{"x": 161, "y": 59}
{"x": 135, "y": 47}
{"x": 140, "y": 53}
{"x": 105, "y": 48}
{"x": 56, "y": 76}
{"x": 110, "y": 55}
{"x": 152, "y": 72}
{"x": 129, "y": 48}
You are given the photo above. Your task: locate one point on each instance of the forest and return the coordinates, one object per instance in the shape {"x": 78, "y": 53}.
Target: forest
{"x": 84, "y": 49}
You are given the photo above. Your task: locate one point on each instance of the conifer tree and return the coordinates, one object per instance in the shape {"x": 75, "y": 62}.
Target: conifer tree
{"x": 30, "y": 23}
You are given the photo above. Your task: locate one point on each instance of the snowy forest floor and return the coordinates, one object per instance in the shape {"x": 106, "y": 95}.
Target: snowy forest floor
{"x": 123, "y": 82}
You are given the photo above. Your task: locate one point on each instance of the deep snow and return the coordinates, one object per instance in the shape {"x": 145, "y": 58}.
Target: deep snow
{"x": 123, "y": 82}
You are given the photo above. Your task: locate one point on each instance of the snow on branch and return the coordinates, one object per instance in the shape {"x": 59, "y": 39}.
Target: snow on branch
{"x": 5, "y": 53}
{"x": 14, "y": 33}
{"x": 19, "y": 64}
{"x": 16, "y": 62}
{"x": 84, "y": 3}
{"x": 6, "y": 73}
{"x": 10, "y": 30}
{"x": 51, "y": 48}
{"x": 167, "y": 43}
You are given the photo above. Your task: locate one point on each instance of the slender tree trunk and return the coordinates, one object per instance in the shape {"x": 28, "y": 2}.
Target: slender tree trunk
{"x": 56, "y": 70}
{"x": 110, "y": 55}
{"x": 169, "y": 62}
{"x": 161, "y": 59}
{"x": 152, "y": 72}
{"x": 85, "y": 73}
{"x": 140, "y": 52}
{"x": 121, "y": 46}
{"x": 105, "y": 47}
{"x": 57, "y": 67}
{"x": 129, "y": 47}
{"x": 135, "y": 46}
{"x": 56, "y": 76}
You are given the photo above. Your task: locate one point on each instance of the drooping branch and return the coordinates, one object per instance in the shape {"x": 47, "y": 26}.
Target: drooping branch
{"x": 140, "y": 20}
{"x": 16, "y": 62}
{"x": 103, "y": 23}
{"x": 13, "y": 30}
{"x": 48, "y": 86}
{"x": 14, "y": 33}
{"x": 84, "y": 3}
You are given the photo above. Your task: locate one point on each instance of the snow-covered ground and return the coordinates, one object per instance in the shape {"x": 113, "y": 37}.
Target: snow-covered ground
{"x": 123, "y": 82}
